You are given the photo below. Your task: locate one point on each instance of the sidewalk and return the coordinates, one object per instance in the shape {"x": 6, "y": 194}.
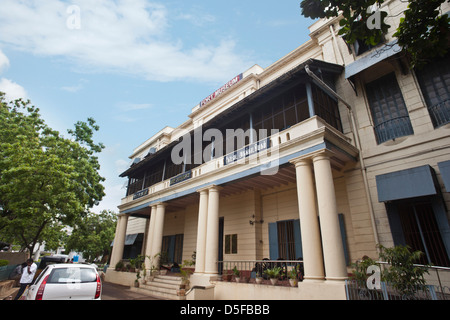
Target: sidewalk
{"x": 112, "y": 291}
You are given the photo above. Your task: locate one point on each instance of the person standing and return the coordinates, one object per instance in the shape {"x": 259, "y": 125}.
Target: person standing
{"x": 27, "y": 277}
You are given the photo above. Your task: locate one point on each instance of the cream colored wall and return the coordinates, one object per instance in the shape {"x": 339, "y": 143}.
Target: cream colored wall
{"x": 427, "y": 146}
{"x": 237, "y": 210}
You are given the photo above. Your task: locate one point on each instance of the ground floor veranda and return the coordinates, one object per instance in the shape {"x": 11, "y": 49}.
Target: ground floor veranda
{"x": 313, "y": 209}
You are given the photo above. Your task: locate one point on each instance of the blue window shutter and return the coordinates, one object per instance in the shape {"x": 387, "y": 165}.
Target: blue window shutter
{"x": 170, "y": 254}
{"x": 298, "y": 240}
{"x": 273, "y": 241}
{"x": 344, "y": 237}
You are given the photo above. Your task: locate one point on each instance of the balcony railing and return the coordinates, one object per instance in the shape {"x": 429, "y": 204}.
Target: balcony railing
{"x": 274, "y": 143}
{"x": 393, "y": 128}
{"x": 440, "y": 113}
{"x": 248, "y": 271}
{"x": 437, "y": 287}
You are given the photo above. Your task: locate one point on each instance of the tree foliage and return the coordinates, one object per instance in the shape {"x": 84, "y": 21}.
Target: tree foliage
{"x": 46, "y": 180}
{"x": 93, "y": 235}
{"x": 423, "y": 33}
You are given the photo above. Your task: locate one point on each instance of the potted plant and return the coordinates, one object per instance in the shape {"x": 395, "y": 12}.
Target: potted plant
{"x": 119, "y": 266}
{"x": 185, "y": 274}
{"x": 132, "y": 265}
{"x": 144, "y": 278}
{"x": 237, "y": 274}
{"x": 258, "y": 278}
{"x": 136, "y": 282}
{"x": 153, "y": 269}
{"x": 273, "y": 274}
{"x": 292, "y": 277}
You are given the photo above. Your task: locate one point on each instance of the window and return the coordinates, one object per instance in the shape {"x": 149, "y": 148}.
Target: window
{"x": 389, "y": 113}
{"x": 285, "y": 240}
{"x": 326, "y": 108}
{"x": 414, "y": 223}
{"x": 72, "y": 275}
{"x": 434, "y": 81}
{"x": 283, "y": 111}
{"x": 172, "y": 249}
{"x": 231, "y": 243}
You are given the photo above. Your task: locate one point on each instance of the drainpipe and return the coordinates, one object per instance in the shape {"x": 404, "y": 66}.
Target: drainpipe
{"x": 357, "y": 142}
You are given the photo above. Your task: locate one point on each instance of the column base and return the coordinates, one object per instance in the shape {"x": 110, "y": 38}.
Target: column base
{"x": 322, "y": 290}
{"x": 202, "y": 279}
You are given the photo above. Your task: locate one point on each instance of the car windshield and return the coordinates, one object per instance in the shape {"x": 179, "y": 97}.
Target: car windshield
{"x": 71, "y": 275}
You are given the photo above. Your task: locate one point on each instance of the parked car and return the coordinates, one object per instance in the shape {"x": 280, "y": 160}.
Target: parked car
{"x": 48, "y": 260}
{"x": 66, "y": 282}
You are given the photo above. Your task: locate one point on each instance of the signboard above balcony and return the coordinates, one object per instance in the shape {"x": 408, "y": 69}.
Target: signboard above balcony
{"x": 222, "y": 89}
{"x": 181, "y": 177}
{"x": 246, "y": 151}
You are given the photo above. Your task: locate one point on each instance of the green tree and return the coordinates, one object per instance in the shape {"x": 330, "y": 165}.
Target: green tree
{"x": 46, "y": 180}
{"x": 403, "y": 273}
{"x": 423, "y": 33}
{"x": 93, "y": 235}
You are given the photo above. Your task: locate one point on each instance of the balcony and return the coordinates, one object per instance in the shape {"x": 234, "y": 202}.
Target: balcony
{"x": 263, "y": 157}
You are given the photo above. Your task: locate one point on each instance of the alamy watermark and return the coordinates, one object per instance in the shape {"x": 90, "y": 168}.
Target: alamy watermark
{"x": 73, "y": 21}
{"x": 374, "y": 280}
{"x": 374, "y": 20}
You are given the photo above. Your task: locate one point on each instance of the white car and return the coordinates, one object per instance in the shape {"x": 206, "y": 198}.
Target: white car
{"x": 66, "y": 281}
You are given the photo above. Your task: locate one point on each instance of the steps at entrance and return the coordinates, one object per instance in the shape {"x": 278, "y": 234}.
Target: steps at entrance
{"x": 163, "y": 287}
{"x": 7, "y": 290}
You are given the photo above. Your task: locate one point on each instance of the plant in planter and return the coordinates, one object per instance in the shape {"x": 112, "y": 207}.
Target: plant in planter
{"x": 293, "y": 277}
{"x": 132, "y": 265}
{"x": 153, "y": 268}
{"x": 136, "y": 282}
{"x": 237, "y": 274}
{"x": 185, "y": 274}
{"x": 144, "y": 275}
{"x": 258, "y": 278}
{"x": 119, "y": 266}
{"x": 273, "y": 274}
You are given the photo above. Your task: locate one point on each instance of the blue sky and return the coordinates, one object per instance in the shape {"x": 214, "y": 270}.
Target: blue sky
{"x": 135, "y": 66}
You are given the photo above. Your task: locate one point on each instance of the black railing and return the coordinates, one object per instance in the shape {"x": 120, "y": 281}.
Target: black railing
{"x": 249, "y": 270}
{"x": 393, "y": 128}
{"x": 440, "y": 113}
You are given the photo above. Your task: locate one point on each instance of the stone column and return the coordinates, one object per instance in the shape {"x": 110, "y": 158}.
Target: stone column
{"x": 333, "y": 250}
{"x": 309, "y": 221}
{"x": 201, "y": 232}
{"x": 119, "y": 240}
{"x": 158, "y": 231}
{"x": 150, "y": 234}
{"x": 212, "y": 236}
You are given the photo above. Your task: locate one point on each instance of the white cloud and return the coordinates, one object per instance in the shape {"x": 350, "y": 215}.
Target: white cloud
{"x": 4, "y": 61}
{"x": 12, "y": 90}
{"x": 116, "y": 36}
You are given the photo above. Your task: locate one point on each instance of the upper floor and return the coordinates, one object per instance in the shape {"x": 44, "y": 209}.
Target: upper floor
{"x": 281, "y": 109}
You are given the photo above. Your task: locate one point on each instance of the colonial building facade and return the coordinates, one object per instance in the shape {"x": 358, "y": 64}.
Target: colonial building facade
{"x": 318, "y": 158}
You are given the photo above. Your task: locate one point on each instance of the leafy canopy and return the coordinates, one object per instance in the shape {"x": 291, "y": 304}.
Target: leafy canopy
{"x": 93, "y": 235}
{"x": 46, "y": 180}
{"x": 423, "y": 33}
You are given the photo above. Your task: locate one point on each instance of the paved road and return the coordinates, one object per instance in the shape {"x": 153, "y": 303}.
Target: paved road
{"x": 111, "y": 291}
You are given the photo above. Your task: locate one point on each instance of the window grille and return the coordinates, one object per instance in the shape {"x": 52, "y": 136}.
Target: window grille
{"x": 434, "y": 81}
{"x": 389, "y": 113}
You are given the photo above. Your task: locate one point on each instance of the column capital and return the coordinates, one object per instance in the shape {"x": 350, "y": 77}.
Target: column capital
{"x": 301, "y": 161}
{"x": 203, "y": 189}
{"x": 160, "y": 204}
{"x": 323, "y": 154}
{"x": 214, "y": 188}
